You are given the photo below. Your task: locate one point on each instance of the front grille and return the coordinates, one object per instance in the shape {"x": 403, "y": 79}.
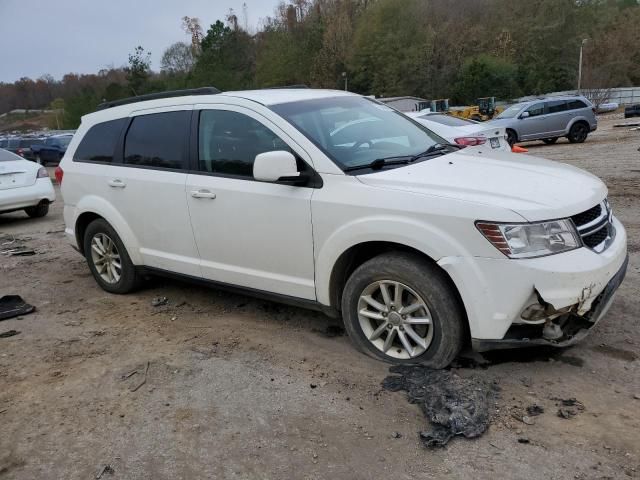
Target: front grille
{"x": 595, "y": 227}
{"x": 588, "y": 216}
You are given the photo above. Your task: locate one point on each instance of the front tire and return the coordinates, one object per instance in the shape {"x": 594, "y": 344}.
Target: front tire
{"x": 108, "y": 259}
{"x": 400, "y": 308}
{"x": 578, "y": 132}
{"x": 38, "y": 211}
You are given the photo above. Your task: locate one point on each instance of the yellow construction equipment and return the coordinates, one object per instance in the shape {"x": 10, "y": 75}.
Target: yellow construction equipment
{"x": 484, "y": 110}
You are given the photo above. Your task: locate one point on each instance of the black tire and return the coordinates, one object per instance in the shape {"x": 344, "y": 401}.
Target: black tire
{"x": 129, "y": 277}
{"x": 430, "y": 283}
{"x": 550, "y": 141}
{"x": 38, "y": 211}
{"x": 578, "y": 133}
{"x": 512, "y": 138}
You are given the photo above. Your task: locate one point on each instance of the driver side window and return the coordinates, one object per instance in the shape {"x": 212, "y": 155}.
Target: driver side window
{"x": 228, "y": 142}
{"x": 536, "y": 110}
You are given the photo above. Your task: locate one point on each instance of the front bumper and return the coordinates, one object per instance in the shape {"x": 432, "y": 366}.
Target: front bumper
{"x": 574, "y": 328}
{"x": 496, "y": 291}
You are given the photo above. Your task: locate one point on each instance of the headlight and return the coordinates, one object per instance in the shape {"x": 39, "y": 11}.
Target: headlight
{"x": 528, "y": 240}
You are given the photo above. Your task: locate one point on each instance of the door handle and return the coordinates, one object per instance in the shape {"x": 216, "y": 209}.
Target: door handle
{"x": 203, "y": 194}
{"x": 116, "y": 183}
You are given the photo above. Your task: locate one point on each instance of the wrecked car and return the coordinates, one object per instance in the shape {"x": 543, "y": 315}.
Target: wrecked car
{"x": 419, "y": 245}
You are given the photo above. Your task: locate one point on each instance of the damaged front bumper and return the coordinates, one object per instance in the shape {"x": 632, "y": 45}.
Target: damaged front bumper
{"x": 509, "y": 303}
{"x": 573, "y": 327}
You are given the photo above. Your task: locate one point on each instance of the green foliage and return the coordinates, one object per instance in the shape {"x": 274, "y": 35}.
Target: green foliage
{"x": 79, "y": 105}
{"x": 138, "y": 70}
{"x": 485, "y": 73}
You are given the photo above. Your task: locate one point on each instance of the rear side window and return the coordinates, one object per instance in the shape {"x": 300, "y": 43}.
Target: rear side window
{"x": 229, "y": 142}
{"x": 99, "y": 143}
{"x": 557, "y": 106}
{"x": 576, "y": 104}
{"x": 158, "y": 140}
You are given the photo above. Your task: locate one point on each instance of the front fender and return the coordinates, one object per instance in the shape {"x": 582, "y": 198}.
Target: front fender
{"x": 403, "y": 231}
{"x": 99, "y": 206}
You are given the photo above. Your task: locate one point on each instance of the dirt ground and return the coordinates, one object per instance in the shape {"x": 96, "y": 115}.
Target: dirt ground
{"x": 243, "y": 388}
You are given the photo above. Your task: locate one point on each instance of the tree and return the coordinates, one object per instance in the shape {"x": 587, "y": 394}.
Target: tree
{"x": 177, "y": 59}
{"x": 487, "y": 76}
{"x": 138, "y": 70}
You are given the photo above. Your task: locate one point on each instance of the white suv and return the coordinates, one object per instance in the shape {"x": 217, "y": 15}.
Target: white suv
{"x": 334, "y": 201}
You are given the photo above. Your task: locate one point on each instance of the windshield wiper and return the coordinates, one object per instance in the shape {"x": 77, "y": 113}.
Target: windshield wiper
{"x": 379, "y": 163}
{"x": 436, "y": 148}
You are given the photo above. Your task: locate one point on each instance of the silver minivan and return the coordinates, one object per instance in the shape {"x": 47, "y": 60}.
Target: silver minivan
{"x": 548, "y": 119}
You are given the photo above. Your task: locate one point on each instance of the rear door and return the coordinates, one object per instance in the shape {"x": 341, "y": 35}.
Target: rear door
{"x": 146, "y": 185}
{"x": 249, "y": 233}
{"x": 557, "y": 117}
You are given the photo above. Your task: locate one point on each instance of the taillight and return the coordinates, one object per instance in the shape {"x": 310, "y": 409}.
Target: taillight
{"x": 59, "y": 174}
{"x": 470, "y": 141}
{"x": 20, "y": 152}
{"x": 42, "y": 173}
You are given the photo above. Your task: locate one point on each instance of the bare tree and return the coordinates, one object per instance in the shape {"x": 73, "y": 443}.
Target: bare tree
{"x": 191, "y": 25}
{"x": 178, "y": 58}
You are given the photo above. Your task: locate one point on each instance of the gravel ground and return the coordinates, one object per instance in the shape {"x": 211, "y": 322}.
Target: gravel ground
{"x": 242, "y": 388}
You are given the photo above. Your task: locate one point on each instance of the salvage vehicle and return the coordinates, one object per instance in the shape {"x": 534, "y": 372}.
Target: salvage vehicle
{"x": 632, "y": 111}
{"x": 51, "y": 150}
{"x": 419, "y": 245}
{"x": 548, "y": 119}
{"x": 466, "y": 133}
{"x": 24, "y": 186}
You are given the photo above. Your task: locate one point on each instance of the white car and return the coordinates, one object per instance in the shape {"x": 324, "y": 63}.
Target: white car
{"x": 294, "y": 195}
{"x": 24, "y": 185}
{"x": 463, "y": 132}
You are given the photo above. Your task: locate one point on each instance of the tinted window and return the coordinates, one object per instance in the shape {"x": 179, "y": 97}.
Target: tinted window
{"x": 27, "y": 142}
{"x": 99, "y": 143}
{"x": 3, "y": 143}
{"x": 556, "y": 106}
{"x": 158, "y": 140}
{"x": 228, "y": 142}
{"x": 14, "y": 142}
{"x": 575, "y": 104}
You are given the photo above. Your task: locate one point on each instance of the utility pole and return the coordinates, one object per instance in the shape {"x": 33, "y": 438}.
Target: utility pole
{"x": 346, "y": 80}
{"x": 584, "y": 40}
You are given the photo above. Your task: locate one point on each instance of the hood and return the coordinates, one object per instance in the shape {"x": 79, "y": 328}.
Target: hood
{"x": 535, "y": 188}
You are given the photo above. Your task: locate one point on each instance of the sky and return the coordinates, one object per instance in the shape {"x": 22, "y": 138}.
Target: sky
{"x": 40, "y": 37}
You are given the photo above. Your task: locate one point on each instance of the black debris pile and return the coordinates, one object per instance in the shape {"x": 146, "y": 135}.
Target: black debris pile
{"x": 534, "y": 410}
{"x": 159, "y": 301}
{"x": 9, "y": 333}
{"x": 14, "y": 306}
{"x": 453, "y": 405}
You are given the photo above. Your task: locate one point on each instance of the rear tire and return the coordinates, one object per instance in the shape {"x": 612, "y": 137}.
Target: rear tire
{"x": 38, "y": 211}
{"x": 108, "y": 259}
{"x": 427, "y": 317}
{"x": 550, "y": 141}
{"x": 578, "y": 132}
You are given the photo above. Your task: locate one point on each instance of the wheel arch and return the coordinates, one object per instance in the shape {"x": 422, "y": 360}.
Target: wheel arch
{"x": 359, "y": 253}
{"x": 93, "y": 208}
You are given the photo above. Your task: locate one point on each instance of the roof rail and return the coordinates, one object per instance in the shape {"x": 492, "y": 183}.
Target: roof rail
{"x": 155, "y": 96}
{"x": 286, "y": 86}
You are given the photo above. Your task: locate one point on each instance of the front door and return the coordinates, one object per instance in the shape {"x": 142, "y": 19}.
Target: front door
{"x": 531, "y": 127}
{"x": 249, "y": 233}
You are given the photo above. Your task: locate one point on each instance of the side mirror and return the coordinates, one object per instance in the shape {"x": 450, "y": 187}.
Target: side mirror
{"x": 524, "y": 115}
{"x": 277, "y": 166}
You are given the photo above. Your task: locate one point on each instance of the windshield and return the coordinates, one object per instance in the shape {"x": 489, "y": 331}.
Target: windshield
{"x": 64, "y": 141}
{"x": 6, "y": 156}
{"x": 512, "y": 111}
{"x": 355, "y": 131}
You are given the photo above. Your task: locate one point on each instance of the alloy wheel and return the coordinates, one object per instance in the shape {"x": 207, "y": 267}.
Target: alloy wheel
{"x": 106, "y": 258}
{"x": 395, "y": 319}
